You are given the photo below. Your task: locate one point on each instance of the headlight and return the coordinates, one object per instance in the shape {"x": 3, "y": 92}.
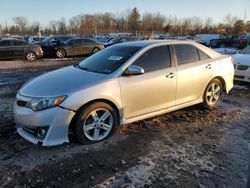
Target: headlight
{"x": 43, "y": 103}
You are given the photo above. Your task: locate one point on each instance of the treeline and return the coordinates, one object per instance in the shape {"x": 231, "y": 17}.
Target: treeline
{"x": 128, "y": 21}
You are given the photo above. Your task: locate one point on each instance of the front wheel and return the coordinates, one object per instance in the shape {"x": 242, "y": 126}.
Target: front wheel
{"x": 213, "y": 94}
{"x": 95, "y": 122}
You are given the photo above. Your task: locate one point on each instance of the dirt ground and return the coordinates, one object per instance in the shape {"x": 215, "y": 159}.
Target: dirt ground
{"x": 192, "y": 147}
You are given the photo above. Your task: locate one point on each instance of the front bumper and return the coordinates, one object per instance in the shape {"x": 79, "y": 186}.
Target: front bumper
{"x": 243, "y": 76}
{"x": 56, "y": 120}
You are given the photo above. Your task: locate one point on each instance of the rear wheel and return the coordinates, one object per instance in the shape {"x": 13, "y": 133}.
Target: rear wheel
{"x": 95, "y": 122}
{"x": 30, "y": 56}
{"x": 60, "y": 53}
{"x": 96, "y": 50}
{"x": 213, "y": 94}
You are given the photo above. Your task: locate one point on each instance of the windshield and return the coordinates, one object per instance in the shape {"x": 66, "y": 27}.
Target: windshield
{"x": 108, "y": 60}
{"x": 46, "y": 39}
{"x": 246, "y": 50}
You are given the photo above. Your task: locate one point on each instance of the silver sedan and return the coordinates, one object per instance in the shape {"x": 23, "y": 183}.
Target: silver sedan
{"x": 122, "y": 84}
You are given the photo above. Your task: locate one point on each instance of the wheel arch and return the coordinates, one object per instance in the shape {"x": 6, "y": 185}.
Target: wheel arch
{"x": 223, "y": 82}
{"x": 60, "y": 48}
{"x": 109, "y": 102}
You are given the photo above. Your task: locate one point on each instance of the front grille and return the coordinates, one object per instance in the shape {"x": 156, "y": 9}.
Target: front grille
{"x": 239, "y": 77}
{"x": 21, "y": 103}
{"x": 242, "y": 67}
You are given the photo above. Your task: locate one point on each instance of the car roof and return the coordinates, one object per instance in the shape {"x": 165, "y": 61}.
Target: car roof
{"x": 148, "y": 43}
{"x": 12, "y": 39}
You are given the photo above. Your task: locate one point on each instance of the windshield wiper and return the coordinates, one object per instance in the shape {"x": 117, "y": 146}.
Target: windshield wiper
{"x": 87, "y": 69}
{"x": 82, "y": 68}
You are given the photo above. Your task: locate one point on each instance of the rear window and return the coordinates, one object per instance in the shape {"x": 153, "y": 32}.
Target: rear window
{"x": 108, "y": 60}
{"x": 20, "y": 43}
{"x": 203, "y": 55}
{"x": 186, "y": 53}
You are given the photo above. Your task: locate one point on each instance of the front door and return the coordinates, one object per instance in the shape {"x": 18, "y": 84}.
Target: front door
{"x": 152, "y": 91}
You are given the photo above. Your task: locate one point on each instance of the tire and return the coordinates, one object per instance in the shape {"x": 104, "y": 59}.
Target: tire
{"x": 213, "y": 94}
{"x": 90, "y": 127}
{"x": 60, "y": 53}
{"x": 30, "y": 56}
{"x": 96, "y": 49}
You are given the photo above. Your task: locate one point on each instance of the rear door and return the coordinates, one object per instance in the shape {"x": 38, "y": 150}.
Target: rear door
{"x": 155, "y": 89}
{"x": 76, "y": 48}
{"x": 195, "y": 69}
{"x": 88, "y": 46}
{"x": 5, "y": 50}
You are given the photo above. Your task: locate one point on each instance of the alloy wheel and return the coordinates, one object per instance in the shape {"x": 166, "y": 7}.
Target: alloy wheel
{"x": 31, "y": 56}
{"x": 213, "y": 94}
{"x": 98, "y": 124}
{"x": 60, "y": 53}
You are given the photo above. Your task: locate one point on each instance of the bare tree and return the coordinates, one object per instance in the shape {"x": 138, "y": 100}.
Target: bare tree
{"x": 134, "y": 20}
{"x": 35, "y": 28}
{"x": 239, "y": 27}
{"x": 21, "y": 21}
{"x": 62, "y": 26}
{"x": 53, "y": 26}
{"x": 229, "y": 21}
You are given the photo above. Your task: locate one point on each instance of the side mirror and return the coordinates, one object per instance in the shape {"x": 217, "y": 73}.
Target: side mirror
{"x": 134, "y": 70}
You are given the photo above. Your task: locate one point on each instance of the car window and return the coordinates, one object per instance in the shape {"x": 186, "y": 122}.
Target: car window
{"x": 77, "y": 41}
{"x": 154, "y": 59}
{"x": 5, "y": 43}
{"x": 108, "y": 60}
{"x": 186, "y": 53}
{"x": 20, "y": 43}
{"x": 203, "y": 55}
{"x": 88, "y": 41}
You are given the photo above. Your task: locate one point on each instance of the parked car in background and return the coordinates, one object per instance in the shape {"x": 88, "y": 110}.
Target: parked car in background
{"x": 117, "y": 40}
{"x": 49, "y": 43}
{"x": 77, "y": 47}
{"x": 242, "y": 65}
{"x": 205, "y": 39}
{"x": 121, "y": 84}
{"x": 33, "y": 39}
{"x": 227, "y": 51}
{"x": 19, "y": 49}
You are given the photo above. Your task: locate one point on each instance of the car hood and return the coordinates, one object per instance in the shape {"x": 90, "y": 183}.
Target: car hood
{"x": 243, "y": 59}
{"x": 61, "y": 82}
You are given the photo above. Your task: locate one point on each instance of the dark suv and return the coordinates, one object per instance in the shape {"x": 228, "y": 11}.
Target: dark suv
{"x": 19, "y": 49}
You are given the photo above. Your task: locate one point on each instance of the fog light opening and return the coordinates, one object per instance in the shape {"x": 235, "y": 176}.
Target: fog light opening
{"x": 41, "y": 133}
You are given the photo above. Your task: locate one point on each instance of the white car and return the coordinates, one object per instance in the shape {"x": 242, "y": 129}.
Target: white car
{"x": 242, "y": 65}
{"x": 227, "y": 51}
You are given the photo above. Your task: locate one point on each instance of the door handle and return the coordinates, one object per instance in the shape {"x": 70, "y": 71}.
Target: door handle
{"x": 170, "y": 75}
{"x": 209, "y": 66}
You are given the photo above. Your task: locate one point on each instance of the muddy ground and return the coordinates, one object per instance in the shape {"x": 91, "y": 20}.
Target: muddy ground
{"x": 192, "y": 147}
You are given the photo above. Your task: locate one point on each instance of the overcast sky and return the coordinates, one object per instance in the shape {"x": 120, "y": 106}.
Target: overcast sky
{"x": 47, "y": 10}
